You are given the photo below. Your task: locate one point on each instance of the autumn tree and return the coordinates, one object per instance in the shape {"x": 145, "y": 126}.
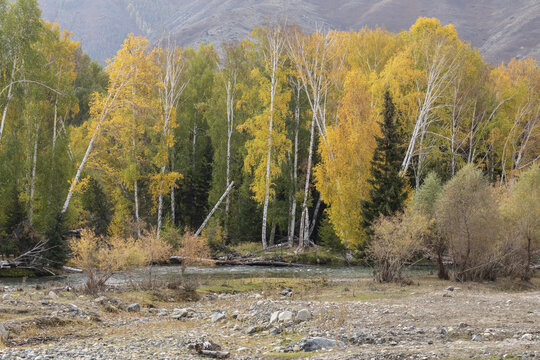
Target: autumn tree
{"x": 521, "y": 210}
{"x": 425, "y": 199}
{"x": 172, "y": 83}
{"x": 468, "y": 218}
{"x": 268, "y": 146}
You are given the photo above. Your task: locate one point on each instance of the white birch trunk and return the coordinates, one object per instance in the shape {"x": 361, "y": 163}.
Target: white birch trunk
{"x": 137, "y": 220}
{"x": 172, "y": 86}
{"x": 33, "y": 177}
{"x": 104, "y": 112}
{"x": 292, "y": 225}
{"x": 173, "y": 211}
{"x": 229, "y": 188}
{"x": 304, "y": 222}
{"x": 275, "y": 53}
{"x": 230, "y": 127}
{"x": 4, "y": 113}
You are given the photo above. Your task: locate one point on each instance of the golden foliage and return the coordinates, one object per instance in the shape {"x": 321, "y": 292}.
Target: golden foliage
{"x": 194, "y": 250}
{"x": 397, "y": 239}
{"x": 342, "y": 174}
{"x": 100, "y": 258}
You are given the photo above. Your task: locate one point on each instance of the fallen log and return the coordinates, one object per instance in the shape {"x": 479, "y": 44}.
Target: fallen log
{"x": 177, "y": 260}
{"x": 71, "y": 269}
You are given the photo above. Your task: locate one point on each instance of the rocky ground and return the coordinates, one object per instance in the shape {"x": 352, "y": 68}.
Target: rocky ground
{"x": 310, "y": 319}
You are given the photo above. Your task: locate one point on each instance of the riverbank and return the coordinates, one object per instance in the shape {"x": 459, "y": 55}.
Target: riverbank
{"x": 272, "y": 318}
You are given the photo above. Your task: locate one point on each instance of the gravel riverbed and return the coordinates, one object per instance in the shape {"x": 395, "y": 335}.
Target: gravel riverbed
{"x": 438, "y": 322}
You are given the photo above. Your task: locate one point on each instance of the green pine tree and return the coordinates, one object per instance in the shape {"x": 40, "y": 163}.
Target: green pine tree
{"x": 56, "y": 236}
{"x": 388, "y": 192}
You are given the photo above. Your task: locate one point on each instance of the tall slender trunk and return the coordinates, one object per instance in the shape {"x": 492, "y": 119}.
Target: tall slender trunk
{"x": 137, "y": 220}
{"x": 173, "y": 205}
{"x": 4, "y": 113}
{"x": 304, "y": 222}
{"x": 160, "y": 202}
{"x": 295, "y": 168}
{"x": 273, "y": 234}
{"x": 269, "y": 152}
{"x": 104, "y": 112}
{"x": 33, "y": 177}
{"x": 315, "y": 216}
{"x": 173, "y": 212}
{"x": 193, "y": 163}
{"x": 230, "y": 128}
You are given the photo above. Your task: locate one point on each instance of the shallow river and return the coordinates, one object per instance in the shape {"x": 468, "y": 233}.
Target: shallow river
{"x": 169, "y": 273}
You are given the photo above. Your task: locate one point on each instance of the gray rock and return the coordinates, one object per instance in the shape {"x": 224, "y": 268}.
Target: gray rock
{"x": 179, "y": 313}
{"x": 477, "y": 337}
{"x": 275, "y": 331}
{"x": 72, "y": 307}
{"x": 274, "y": 317}
{"x": 3, "y": 335}
{"x": 217, "y": 316}
{"x": 303, "y": 315}
{"x": 286, "y": 292}
{"x": 100, "y": 300}
{"x": 134, "y": 308}
{"x": 208, "y": 348}
{"x": 53, "y": 295}
{"x": 254, "y": 329}
{"x": 285, "y": 316}
{"x": 317, "y": 343}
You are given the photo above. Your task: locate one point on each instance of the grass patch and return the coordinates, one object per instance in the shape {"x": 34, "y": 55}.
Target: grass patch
{"x": 16, "y": 273}
{"x": 246, "y": 247}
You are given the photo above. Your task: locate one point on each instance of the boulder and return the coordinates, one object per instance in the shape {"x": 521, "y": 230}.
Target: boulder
{"x": 217, "y": 316}
{"x": 134, "y": 308}
{"x": 72, "y": 307}
{"x": 303, "y": 315}
{"x": 208, "y": 348}
{"x": 179, "y": 313}
{"x": 285, "y": 316}
{"x": 286, "y": 292}
{"x": 317, "y": 343}
{"x": 254, "y": 329}
{"x": 3, "y": 335}
{"x": 101, "y": 300}
{"x": 274, "y": 317}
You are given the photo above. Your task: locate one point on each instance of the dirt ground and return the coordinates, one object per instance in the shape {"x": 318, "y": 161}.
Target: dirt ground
{"x": 365, "y": 320}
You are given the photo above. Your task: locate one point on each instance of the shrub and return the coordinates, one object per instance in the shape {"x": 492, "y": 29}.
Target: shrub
{"x": 521, "y": 212}
{"x": 156, "y": 250}
{"x": 424, "y": 201}
{"x": 194, "y": 250}
{"x": 396, "y": 240}
{"x": 99, "y": 258}
{"x": 171, "y": 235}
{"x": 215, "y": 235}
{"x": 467, "y": 217}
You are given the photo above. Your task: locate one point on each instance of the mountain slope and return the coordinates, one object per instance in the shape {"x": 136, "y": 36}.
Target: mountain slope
{"x": 502, "y": 29}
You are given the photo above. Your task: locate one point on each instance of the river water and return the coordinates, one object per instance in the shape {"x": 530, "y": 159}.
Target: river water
{"x": 171, "y": 273}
